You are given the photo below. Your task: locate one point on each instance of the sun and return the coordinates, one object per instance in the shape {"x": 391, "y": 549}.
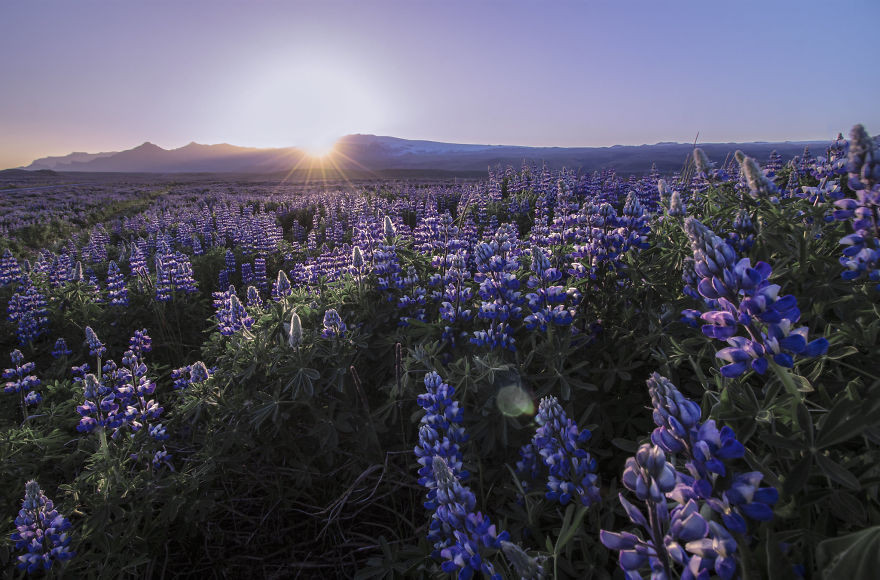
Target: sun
{"x": 307, "y": 105}
{"x": 319, "y": 150}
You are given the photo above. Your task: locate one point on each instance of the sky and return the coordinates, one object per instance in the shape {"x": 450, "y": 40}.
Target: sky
{"x": 101, "y": 75}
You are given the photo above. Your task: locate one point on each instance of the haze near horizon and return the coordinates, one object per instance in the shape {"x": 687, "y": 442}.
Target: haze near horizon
{"x": 102, "y": 76}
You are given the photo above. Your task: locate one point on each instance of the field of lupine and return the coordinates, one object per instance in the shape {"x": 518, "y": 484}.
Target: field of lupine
{"x": 540, "y": 375}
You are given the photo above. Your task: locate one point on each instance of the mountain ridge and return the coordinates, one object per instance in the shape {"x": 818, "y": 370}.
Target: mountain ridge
{"x": 365, "y": 152}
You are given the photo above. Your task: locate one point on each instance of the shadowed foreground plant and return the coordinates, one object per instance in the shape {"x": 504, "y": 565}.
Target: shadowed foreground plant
{"x": 41, "y": 531}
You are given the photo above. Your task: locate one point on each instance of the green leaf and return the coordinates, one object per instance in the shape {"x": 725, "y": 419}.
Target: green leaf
{"x": 837, "y": 472}
{"x": 851, "y": 556}
{"x": 570, "y": 526}
{"x": 839, "y": 425}
{"x": 798, "y": 476}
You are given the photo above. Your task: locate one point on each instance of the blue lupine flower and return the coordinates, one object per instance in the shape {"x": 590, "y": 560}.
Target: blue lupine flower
{"x": 28, "y": 310}
{"x": 571, "y": 470}
{"x": 760, "y": 186}
{"x": 20, "y": 380}
{"x": 253, "y": 298}
{"x": 295, "y": 331}
{"x": 457, "y": 530}
{"x": 333, "y": 325}
{"x": 116, "y": 290}
{"x": 162, "y": 458}
{"x": 742, "y": 298}
{"x": 231, "y": 314}
{"x": 687, "y": 541}
{"x": 281, "y": 288}
{"x": 60, "y": 349}
{"x": 96, "y": 347}
{"x": 10, "y": 271}
{"x": 41, "y": 531}
{"x": 140, "y": 343}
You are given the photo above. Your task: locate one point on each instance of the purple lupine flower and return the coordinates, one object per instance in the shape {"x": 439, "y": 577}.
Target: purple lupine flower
{"x": 10, "y": 271}
{"x": 96, "y": 347}
{"x": 20, "y": 380}
{"x": 282, "y": 287}
{"x": 231, "y": 314}
{"x": 140, "y": 343}
{"x": 334, "y": 327}
{"x": 41, "y": 531}
{"x": 760, "y": 186}
{"x": 743, "y": 299}
{"x": 60, "y": 349}
{"x": 253, "y": 298}
{"x": 116, "y": 290}
{"x": 28, "y": 310}
{"x": 571, "y": 469}
{"x": 260, "y": 274}
{"x": 457, "y": 530}
{"x": 707, "y": 451}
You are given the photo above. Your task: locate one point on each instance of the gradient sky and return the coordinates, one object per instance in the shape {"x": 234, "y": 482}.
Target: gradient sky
{"x": 91, "y": 75}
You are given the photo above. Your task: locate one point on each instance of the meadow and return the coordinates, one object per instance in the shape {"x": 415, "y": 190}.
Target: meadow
{"x": 539, "y": 374}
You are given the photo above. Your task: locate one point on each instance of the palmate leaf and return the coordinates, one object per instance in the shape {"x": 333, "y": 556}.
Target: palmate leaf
{"x": 852, "y": 556}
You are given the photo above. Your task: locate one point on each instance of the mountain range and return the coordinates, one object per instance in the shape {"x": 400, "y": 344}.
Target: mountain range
{"x": 372, "y": 153}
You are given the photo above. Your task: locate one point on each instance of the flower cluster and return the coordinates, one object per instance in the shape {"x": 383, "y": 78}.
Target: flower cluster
{"x": 500, "y": 292}
{"x": 334, "y": 327}
{"x": 28, "y": 311}
{"x": 861, "y": 255}
{"x": 231, "y": 313}
{"x": 60, "y": 350}
{"x": 116, "y": 290}
{"x": 10, "y": 271}
{"x": 571, "y": 470}
{"x": 743, "y": 299}
{"x": 457, "y": 531}
{"x": 686, "y": 536}
{"x": 120, "y": 397}
{"x": 189, "y": 375}
{"x": 20, "y": 380}
{"x": 41, "y": 531}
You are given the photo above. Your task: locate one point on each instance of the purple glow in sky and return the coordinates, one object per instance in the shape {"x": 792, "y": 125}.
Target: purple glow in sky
{"x": 100, "y": 75}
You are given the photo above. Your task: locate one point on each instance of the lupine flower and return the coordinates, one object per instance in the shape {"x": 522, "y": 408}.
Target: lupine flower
{"x": 702, "y": 163}
{"x": 663, "y": 189}
{"x": 282, "y": 287}
{"x": 253, "y": 298}
{"x": 140, "y": 343}
{"x": 459, "y": 531}
{"x": 357, "y": 259}
{"x": 96, "y": 347}
{"x": 760, "y": 186}
{"x": 295, "y": 334}
{"x": 571, "y": 470}
{"x": 333, "y": 325}
{"x": 116, "y": 290}
{"x": 676, "y": 205}
{"x": 28, "y": 310}
{"x": 9, "y": 269}
{"x": 389, "y": 229}
{"x": 863, "y": 162}
{"x": 60, "y": 349}
{"x": 41, "y": 531}
{"x": 681, "y": 537}
{"x": 231, "y": 314}
{"x": 20, "y": 380}
{"x": 745, "y": 299}
{"x": 441, "y": 434}
{"x": 525, "y": 566}
{"x": 162, "y": 459}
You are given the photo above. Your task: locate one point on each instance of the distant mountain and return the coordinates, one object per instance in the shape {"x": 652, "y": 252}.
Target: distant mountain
{"x": 63, "y": 163}
{"x": 370, "y": 153}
